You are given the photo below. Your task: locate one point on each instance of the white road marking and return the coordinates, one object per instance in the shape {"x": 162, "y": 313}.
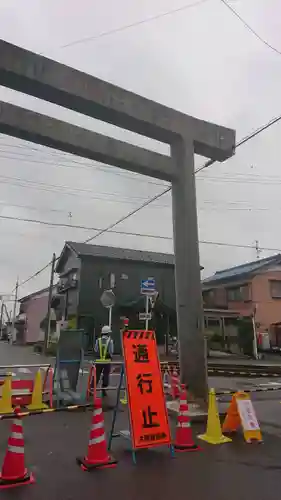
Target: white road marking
{"x": 271, "y": 383}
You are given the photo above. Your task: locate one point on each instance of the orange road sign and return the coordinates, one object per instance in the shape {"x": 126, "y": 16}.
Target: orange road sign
{"x": 146, "y": 400}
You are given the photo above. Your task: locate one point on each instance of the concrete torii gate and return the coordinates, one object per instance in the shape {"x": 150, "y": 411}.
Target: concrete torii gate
{"x": 51, "y": 81}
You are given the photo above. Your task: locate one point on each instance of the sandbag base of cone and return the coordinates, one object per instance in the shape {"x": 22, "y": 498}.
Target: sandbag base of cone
{"x": 183, "y": 448}
{"x": 13, "y": 483}
{"x": 88, "y": 466}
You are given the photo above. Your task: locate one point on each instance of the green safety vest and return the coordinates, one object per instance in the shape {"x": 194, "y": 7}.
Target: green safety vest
{"x": 103, "y": 351}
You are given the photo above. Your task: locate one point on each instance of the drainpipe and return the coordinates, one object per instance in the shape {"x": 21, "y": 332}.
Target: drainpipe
{"x": 255, "y": 344}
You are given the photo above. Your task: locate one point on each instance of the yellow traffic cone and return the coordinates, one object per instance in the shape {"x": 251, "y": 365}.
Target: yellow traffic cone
{"x": 37, "y": 395}
{"x": 6, "y": 399}
{"x": 124, "y": 400}
{"x": 214, "y": 434}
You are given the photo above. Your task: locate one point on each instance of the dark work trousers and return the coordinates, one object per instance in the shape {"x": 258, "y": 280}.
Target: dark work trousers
{"x": 103, "y": 370}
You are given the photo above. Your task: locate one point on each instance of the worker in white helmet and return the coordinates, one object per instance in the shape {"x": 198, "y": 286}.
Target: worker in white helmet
{"x": 104, "y": 349}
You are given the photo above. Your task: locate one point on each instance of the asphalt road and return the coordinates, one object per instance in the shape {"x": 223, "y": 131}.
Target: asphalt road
{"x": 19, "y": 355}
{"x": 230, "y": 471}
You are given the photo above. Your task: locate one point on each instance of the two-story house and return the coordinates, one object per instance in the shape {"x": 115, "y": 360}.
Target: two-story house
{"x": 86, "y": 271}
{"x": 250, "y": 289}
{"x": 32, "y": 312}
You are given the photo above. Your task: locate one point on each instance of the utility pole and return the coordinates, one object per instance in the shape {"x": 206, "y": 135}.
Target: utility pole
{"x": 48, "y": 329}
{"x": 7, "y": 314}
{"x": 13, "y": 336}
{"x": 257, "y": 248}
{"x": 1, "y": 318}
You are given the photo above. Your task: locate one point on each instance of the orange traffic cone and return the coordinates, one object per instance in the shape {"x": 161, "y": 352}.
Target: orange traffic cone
{"x": 184, "y": 440}
{"x": 232, "y": 419}
{"x": 14, "y": 472}
{"x": 175, "y": 392}
{"x": 98, "y": 456}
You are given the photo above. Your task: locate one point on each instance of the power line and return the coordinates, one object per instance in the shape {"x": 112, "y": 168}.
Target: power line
{"x": 235, "y": 13}
{"x": 207, "y": 164}
{"x": 211, "y": 206}
{"x": 203, "y": 242}
{"x": 77, "y": 165}
{"x": 240, "y": 176}
{"x": 151, "y": 200}
{"x": 248, "y": 177}
{"x": 133, "y": 212}
{"x": 233, "y": 180}
{"x": 56, "y": 188}
{"x": 102, "y": 231}
{"x": 132, "y": 25}
{"x": 113, "y": 231}
{"x": 32, "y": 207}
{"x": 77, "y": 226}
{"x": 70, "y": 191}
{"x": 243, "y": 175}
{"x": 234, "y": 245}
{"x": 243, "y": 141}
{"x": 33, "y": 275}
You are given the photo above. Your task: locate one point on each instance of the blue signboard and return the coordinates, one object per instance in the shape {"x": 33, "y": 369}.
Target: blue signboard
{"x": 148, "y": 286}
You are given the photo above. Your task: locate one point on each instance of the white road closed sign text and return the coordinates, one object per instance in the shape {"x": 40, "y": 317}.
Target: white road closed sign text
{"x": 247, "y": 414}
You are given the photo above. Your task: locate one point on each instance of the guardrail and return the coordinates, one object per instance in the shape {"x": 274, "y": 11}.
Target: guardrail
{"x": 254, "y": 370}
{"x": 230, "y": 370}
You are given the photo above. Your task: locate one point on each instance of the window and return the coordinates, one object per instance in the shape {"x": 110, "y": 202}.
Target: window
{"x": 208, "y": 296}
{"x": 239, "y": 294}
{"x": 111, "y": 280}
{"x": 275, "y": 289}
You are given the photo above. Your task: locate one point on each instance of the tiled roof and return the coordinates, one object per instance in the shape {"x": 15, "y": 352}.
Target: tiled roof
{"x": 35, "y": 294}
{"x": 120, "y": 253}
{"x": 243, "y": 269}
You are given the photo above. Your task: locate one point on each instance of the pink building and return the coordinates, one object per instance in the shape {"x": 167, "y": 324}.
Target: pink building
{"x": 252, "y": 288}
{"x": 33, "y": 310}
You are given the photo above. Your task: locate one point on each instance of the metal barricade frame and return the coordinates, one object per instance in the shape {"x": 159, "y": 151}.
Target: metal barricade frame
{"x": 21, "y": 395}
{"x": 92, "y": 375}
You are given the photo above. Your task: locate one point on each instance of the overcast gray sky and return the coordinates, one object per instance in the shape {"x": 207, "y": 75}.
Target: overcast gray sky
{"x": 201, "y": 60}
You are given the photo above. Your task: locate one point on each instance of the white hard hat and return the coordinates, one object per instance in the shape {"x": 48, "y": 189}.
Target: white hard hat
{"x": 105, "y": 330}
